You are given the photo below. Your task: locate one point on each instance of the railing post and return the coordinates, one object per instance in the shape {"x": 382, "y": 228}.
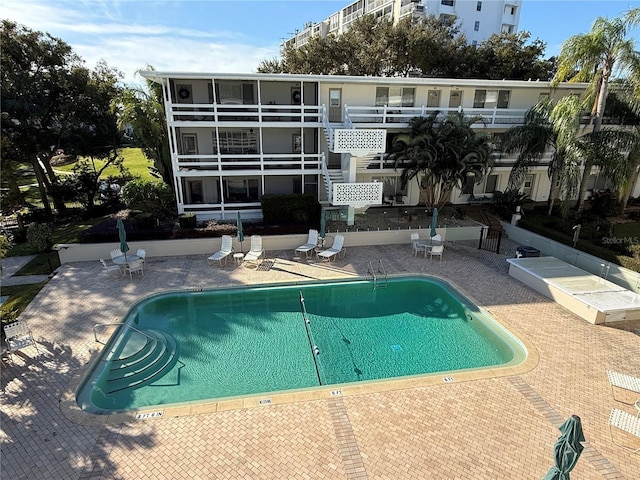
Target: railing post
{"x": 499, "y": 239}
{"x": 481, "y": 234}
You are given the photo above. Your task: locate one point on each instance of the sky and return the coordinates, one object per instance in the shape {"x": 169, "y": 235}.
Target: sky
{"x": 236, "y": 35}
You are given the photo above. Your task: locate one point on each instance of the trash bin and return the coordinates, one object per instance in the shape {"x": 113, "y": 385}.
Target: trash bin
{"x": 526, "y": 251}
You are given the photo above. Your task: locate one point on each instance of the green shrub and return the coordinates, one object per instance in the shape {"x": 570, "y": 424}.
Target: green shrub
{"x": 40, "y": 236}
{"x": 149, "y": 196}
{"x": 144, "y": 221}
{"x": 188, "y": 220}
{"x": 292, "y": 208}
{"x": 604, "y": 204}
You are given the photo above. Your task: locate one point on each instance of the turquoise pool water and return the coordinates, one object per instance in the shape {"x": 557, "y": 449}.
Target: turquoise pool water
{"x": 230, "y": 342}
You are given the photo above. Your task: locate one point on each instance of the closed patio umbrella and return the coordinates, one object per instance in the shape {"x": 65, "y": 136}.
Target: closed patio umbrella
{"x": 323, "y": 224}
{"x": 122, "y": 234}
{"x": 434, "y": 222}
{"x": 567, "y": 449}
{"x": 240, "y": 233}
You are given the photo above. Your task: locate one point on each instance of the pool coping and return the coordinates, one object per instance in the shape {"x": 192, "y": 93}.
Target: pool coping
{"x": 72, "y": 411}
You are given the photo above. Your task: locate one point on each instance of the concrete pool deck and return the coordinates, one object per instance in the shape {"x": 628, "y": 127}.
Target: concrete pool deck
{"x": 486, "y": 428}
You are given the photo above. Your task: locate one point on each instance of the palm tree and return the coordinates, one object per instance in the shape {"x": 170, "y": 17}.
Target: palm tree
{"x": 594, "y": 57}
{"x": 548, "y": 126}
{"x": 441, "y": 155}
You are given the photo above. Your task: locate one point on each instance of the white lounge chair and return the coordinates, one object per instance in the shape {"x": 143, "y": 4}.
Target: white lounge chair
{"x": 336, "y": 248}
{"x": 312, "y": 242}
{"x": 625, "y": 382}
{"x": 135, "y": 266}
{"x": 226, "y": 249}
{"x": 255, "y": 253}
{"x": 627, "y": 423}
{"x": 110, "y": 268}
{"x": 18, "y": 336}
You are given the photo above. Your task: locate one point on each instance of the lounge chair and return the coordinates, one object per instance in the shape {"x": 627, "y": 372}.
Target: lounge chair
{"x": 627, "y": 423}
{"x": 255, "y": 253}
{"x": 336, "y": 248}
{"x": 625, "y": 382}
{"x": 18, "y": 336}
{"x": 110, "y": 268}
{"x": 226, "y": 249}
{"x": 135, "y": 266}
{"x": 312, "y": 242}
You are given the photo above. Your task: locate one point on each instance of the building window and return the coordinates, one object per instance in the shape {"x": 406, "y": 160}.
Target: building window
{"x": 474, "y": 43}
{"x": 189, "y": 144}
{"x": 236, "y": 141}
{"x": 491, "y": 184}
{"x": 194, "y": 191}
{"x": 479, "y": 6}
{"x": 240, "y": 190}
{"x": 513, "y": 10}
{"x": 491, "y": 99}
{"x": 447, "y": 2}
{"x": 476, "y": 26}
{"x": 395, "y": 96}
{"x": 296, "y": 143}
{"x": 469, "y": 183}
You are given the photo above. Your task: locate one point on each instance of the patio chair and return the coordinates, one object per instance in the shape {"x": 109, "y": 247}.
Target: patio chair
{"x": 627, "y": 423}
{"x": 116, "y": 252}
{"x": 226, "y": 249}
{"x": 436, "y": 238}
{"x": 110, "y": 268}
{"x": 142, "y": 253}
{"x": 335, "y": 250}
{"x": 255, "y": 253}
{"x": 625, "y": 382}
{"x": 312, "y": 242}
{"x": 416, "y": 246}
{"x": 436, "y": 251}
{"x": 135, "y": 266}
{"x": 18, "y": 336}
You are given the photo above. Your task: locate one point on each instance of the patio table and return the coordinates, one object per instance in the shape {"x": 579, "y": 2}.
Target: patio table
{"x": 123, "y": 261}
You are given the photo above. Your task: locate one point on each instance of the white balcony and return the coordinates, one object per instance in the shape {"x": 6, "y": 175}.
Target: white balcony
{"x": 197, "y": 114}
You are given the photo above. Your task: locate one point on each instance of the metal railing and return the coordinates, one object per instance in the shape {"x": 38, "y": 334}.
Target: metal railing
{"x": 315, "y": 351}
{"x": 95, "y": 333}
{"x": 374, "y": 274}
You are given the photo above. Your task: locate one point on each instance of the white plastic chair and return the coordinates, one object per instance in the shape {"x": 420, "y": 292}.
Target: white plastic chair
{"x": 135, "y": 266}
{"x": 436, "y": 251}
{"x": 116, "y": 252}
{"x": 416, "y": 246}
{"x": 312, "y": 242}
{"x": 336, "y": 248}
{"x": 110, "y": 268}
{"x": 256, "y": 251}
{"x": 226, "y": 248}
{"x": 18, "y": 336}
{"x": 436, "y": 238}
{"x": 142, "y": 253}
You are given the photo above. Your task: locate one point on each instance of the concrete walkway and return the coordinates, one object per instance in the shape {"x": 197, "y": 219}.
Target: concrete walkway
{"x": 11, "y": 265}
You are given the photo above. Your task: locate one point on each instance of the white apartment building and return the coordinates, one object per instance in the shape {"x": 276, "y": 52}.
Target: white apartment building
{"x": 236, "y": 137}
{"x": 478, "y": 19}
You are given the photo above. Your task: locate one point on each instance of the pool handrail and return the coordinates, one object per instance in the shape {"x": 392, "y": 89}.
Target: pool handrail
{"x": 314, "y": 348}
{"x": 95, "y": 333}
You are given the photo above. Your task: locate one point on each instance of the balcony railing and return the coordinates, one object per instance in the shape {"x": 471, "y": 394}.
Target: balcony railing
{"x": 218, "y": 112}
{"x": 361, "y": 116}
{"x": 308, "y": 163}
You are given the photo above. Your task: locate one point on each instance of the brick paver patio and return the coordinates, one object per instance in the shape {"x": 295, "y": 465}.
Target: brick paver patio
{"x": 492, "y": 428}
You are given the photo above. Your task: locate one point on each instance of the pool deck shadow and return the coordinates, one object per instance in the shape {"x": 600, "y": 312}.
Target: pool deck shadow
{"x": 489, "y": 427}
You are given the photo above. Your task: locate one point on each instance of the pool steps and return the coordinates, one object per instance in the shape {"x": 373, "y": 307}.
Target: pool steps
{"x": 140, "y": 360}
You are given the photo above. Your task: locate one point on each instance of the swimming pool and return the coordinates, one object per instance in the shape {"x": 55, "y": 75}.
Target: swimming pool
{"x": 194, "y": 346}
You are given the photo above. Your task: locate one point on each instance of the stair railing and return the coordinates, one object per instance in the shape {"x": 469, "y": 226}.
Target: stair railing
{"x": 95, "y": 333}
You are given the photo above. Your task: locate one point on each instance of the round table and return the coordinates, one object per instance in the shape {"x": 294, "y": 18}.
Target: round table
{"x": 125, "y": 259}
{"x": 238, "y": 257}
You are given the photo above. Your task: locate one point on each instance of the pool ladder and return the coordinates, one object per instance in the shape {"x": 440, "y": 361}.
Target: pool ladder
{"x": 377, "y": 273}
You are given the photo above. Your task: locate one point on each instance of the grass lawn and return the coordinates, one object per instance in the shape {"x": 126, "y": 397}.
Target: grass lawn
{"x": 19, "y": 297}
{"x": 134, "y": 160}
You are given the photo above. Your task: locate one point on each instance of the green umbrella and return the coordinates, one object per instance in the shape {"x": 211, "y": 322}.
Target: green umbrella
{"x": 124, "y": 248}
{"x": 434, "y": 222}
{"x": 323, "y": 224}
{"x": 567, "y": 449}
{"x": 240, "y": 234}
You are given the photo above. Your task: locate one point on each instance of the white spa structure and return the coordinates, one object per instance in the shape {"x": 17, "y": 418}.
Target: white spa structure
{"x": 236, "y": 137}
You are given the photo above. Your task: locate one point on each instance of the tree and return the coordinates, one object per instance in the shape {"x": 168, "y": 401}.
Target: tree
{"x": 51, "y": 102}
{"x": 594, "y": 57}
{"x": 547, "y": 126}
{"x": 441, "y": 155}
{"x": 143, "y": 109}
{"x": 508, "y": 56}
